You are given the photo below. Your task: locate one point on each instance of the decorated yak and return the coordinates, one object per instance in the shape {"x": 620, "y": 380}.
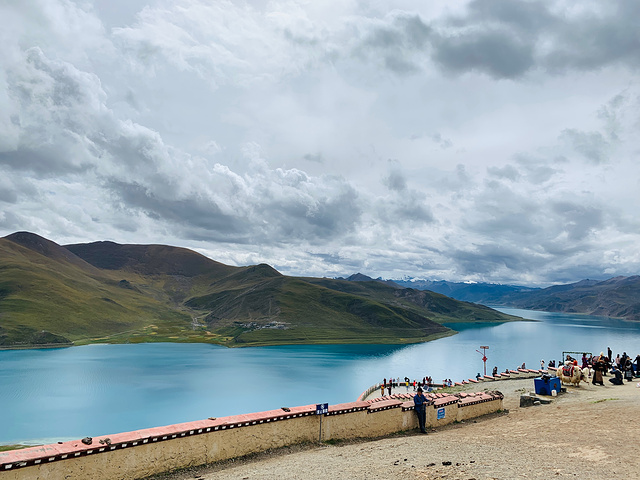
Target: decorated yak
{"x": 572, "y": 374}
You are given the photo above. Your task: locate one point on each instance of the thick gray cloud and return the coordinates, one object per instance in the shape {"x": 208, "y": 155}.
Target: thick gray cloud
{"x": 496, "y": 53}
{"x": 580, "y": 221}
{"x": 196, "y": 212}
{"x": 395, "y": 42}
{"x": 507, "y": 39}
{"x": 606, "y": 35}
{"x": 262, "y": 132}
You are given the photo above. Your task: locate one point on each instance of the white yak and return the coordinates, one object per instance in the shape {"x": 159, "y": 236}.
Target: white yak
{"x": 572, "y": 374}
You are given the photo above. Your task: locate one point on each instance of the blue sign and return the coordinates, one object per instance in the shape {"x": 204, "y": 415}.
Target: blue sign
{"x": 441, "y": 413}
{"x": 322, "y": 408}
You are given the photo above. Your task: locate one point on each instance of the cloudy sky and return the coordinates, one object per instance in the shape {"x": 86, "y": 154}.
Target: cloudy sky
{"x": 490, "y": 140}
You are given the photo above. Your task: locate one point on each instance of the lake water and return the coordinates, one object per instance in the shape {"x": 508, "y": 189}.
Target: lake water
{"x": 53, "y": 395}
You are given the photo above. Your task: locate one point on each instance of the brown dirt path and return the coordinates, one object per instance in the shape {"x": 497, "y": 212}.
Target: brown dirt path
{"x": 590, "y": 432}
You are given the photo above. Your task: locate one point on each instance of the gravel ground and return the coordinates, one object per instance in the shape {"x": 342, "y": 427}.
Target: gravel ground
{"x": 589, "y": 432}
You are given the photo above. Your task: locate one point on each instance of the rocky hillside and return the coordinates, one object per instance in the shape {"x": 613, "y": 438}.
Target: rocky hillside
{"x": 615, "y": 297}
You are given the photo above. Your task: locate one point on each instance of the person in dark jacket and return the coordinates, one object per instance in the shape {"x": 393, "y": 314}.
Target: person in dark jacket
{"x": 617, "y": 379}
{"x": 627, "y": 369}
{"x": 420, "y": 407}
{"x": 599, "y": 366}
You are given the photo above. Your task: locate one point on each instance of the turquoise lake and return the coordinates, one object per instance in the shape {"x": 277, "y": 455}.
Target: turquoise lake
{"x": 52, "y": 395}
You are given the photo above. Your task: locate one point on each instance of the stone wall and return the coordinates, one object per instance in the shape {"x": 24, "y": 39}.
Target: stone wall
{"x": 133, "y": 455}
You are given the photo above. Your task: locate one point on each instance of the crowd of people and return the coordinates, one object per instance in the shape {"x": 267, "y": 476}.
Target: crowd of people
{"x": 622, "y": 367}
{"x": 426, "y": 384}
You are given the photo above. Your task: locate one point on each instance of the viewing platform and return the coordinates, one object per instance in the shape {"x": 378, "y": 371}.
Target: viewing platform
{"x": 140, "y": 453}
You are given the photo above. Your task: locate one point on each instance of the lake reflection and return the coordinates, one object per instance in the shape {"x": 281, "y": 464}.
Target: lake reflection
{"x": 61, "y": 394}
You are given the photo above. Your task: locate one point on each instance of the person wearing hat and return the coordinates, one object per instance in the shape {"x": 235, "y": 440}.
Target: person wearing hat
{"x": 599, "y": 365}
{"x": 420, "y": 407}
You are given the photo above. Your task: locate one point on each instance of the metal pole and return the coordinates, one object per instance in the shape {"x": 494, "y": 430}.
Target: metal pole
{"x": 320, "y": 434}
{"x": 484, "y": 356}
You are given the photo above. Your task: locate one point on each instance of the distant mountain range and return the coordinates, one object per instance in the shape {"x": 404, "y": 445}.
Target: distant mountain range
{"x": 104, "y": 292}
{"x": 484, "y": 293}
{"x": 616, "y": 297}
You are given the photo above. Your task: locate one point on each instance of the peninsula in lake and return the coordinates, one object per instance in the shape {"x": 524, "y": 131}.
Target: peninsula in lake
{"x": 104, "y": 292}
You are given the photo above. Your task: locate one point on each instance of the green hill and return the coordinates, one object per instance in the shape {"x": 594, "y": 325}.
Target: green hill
{"x": 55, "y": 297}
{"x": 106, "y": 292}
{"x": 441, "y": 308}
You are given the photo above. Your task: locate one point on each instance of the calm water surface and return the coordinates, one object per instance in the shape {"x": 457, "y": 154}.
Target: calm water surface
{"x": 62, "y": 394}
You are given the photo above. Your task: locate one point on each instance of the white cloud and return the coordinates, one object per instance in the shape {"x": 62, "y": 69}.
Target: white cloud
{"x": 482, "y": 141}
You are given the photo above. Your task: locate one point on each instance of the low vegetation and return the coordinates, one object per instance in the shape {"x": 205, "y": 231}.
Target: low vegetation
{"x": 6, "y": 448}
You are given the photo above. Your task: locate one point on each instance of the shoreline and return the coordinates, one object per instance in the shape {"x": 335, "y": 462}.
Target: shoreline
{"x": 427, "y": 339}
{"x": 38, "y": 347}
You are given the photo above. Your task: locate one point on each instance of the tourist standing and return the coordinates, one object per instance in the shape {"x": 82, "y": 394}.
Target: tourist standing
{"x": 420, "y": 407}
{"x": 628, "y": 369}
{"x": 623, "y": 360}
{"x": 599, "y": 365}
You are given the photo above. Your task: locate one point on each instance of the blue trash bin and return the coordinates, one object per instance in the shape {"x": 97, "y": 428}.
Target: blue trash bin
{"x": 543, "y": 386}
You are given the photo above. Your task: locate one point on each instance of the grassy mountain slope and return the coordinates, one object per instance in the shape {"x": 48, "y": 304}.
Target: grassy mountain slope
{"x": 106, "y": 292}
{"x": 149, "y": 259}
{"x": 615, "y": 297}
{"x": 441, "y": 308}
{"x": 297, "y": 311}
{"x": 49, "y": 298}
